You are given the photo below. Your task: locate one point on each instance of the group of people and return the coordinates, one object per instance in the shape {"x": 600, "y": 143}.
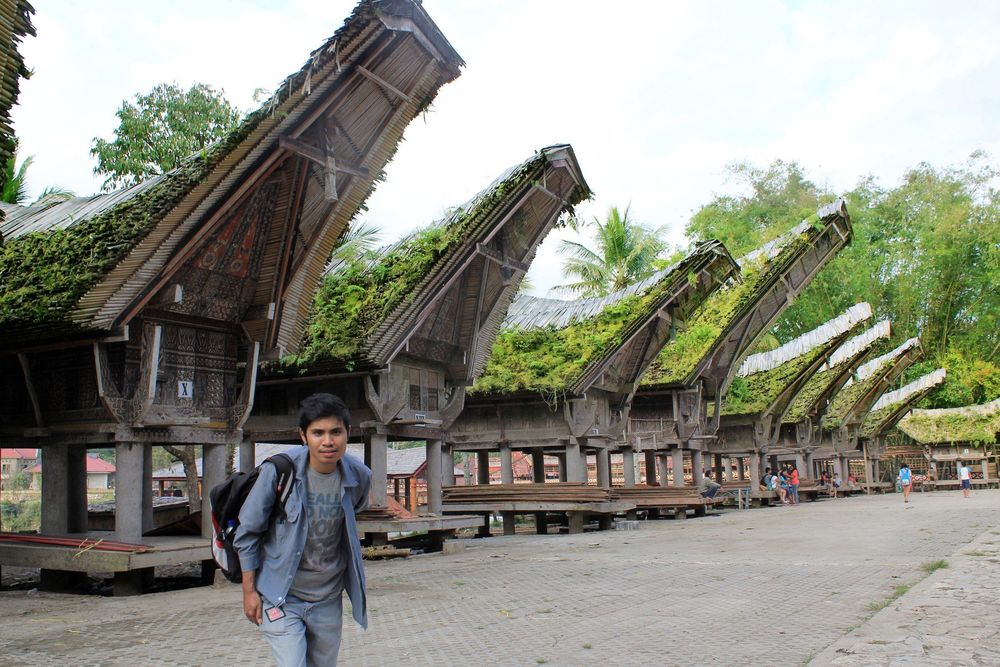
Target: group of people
{"x": 785, "y": 482}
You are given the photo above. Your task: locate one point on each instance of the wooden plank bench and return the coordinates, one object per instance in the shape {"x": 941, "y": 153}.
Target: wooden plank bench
{"x": 677, "y": 500}
{"x": 577, "y": 501}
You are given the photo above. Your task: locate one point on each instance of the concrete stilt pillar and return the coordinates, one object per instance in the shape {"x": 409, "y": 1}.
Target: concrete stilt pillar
{"x": 482, "y": 467}
{"x": 664, "y": 468}
{"x": 986, "y": 472}
{"x": 576, "y": 470}
{"x": 434, "y": 476}
{"x": 376, "y": 458}
{"x": 213, "y": 472}
{"x": 697, "y": 467}
{"x": 506, "y": 464}
{"x": 810, "y": 464}
{"x": 55, "y": 490}
{"x": 628, "y": 466}
{"x": 754, "y": 471}
{"x": 248, "y": 454}
{"x": 845, "y": 468}
{"x": 717, "y": 465}
{"x": 563, "y": 474}
{"x": 650, "y": 459}
{"x": 678, "y": 466}
{"x": 603, "y": 467}
{"x": 507, "y": 477}
{"x": 447, "y": 464}
{"x": 134, "y": 492}
{"x": 741, "y": 469}
{"x": 538, "y": 465}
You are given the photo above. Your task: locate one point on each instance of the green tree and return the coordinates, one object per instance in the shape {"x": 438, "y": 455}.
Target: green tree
{"x": 161, "y": 128}
{"x": 626, "y": 252}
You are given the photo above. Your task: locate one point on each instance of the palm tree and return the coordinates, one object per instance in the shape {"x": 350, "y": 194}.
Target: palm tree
{"x": 626, "y": 252}
{"x": 15, "y": 179}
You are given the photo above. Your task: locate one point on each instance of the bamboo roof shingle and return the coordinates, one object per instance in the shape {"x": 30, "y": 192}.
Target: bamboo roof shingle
{"x": 366, "y": 306}
{"x": 766, "y": 376}
{"x": 15, "y": 25}
{"x": 706, "y": 338}
{"x": 120, "y": 244}
{"x": 855, "y": 398}
{"x": 556, "y": 346}
{"x": 971, "y": 424}
{"x": 893, "y": 405}
{"x": 835, "y": 372}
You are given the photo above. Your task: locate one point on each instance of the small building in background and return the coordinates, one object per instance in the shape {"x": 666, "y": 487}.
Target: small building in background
{"x": 14, "y": 460}
{"x": 100, "y": 474}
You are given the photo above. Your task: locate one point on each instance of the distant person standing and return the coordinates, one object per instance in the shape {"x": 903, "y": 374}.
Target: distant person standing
{"x": 793, "y": 484}
{"x": 965, "y": 475}
{"x": 905, "y": 481}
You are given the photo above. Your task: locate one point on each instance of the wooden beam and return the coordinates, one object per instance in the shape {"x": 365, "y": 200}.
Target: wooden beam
{"x": 145, "y": 392}
{"x": 319, "y": 156}
{"x": 500, "y": 258}
{"x": 32, "y": 394}
{"x": 245, "y": 406}
{"x": 382, "y": 83}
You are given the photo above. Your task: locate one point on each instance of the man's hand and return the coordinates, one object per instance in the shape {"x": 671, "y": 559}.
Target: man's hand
{"x": 252, "y": 605}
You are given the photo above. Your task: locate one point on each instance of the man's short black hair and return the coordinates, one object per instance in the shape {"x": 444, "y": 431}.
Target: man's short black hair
{"x": 321, "y": 406}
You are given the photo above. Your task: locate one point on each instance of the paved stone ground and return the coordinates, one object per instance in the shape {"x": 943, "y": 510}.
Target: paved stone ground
{"x": 772, "y": 586}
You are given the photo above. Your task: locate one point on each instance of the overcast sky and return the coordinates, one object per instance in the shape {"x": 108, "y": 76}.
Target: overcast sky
{"x": 656, "y": 97}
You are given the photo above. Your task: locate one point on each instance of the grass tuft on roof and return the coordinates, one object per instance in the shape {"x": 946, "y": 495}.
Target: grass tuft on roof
{"x": 752, "y": 394}
{"x": 974, "y": 424}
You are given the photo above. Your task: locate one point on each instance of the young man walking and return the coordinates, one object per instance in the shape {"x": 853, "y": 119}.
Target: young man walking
{"x": 965, "y": 475}
{"x": 298, "y": 563}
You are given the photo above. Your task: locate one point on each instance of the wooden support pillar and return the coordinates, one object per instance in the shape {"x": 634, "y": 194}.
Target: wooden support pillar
{"x": 213, "y": 472}
{"x": 628, "y": 465}
{"x": 717, "y": 465}
{"x": 410, "y": 493}
{"x": 678, "y": 466}
{"x": 986, "y": 472}
{"x": 482, "y": 467}
{"x": 650, "y": 457}
{"x": 603, "y": 467}
{"x": 697, "y": 467}
{"x": 376, "y": 458}
{"x": 248, "y": 455}
{"x": 134, "y": 492}
{"x": 538, "y": 465}
{"x": 434, "y": 476}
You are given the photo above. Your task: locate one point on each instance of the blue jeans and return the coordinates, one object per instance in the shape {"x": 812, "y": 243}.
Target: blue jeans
{"x": 308, "y": 634}
{"x": 794, "y": 488}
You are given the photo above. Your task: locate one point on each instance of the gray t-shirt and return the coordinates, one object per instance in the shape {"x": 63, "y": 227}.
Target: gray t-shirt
{"x": 324, "y": 559}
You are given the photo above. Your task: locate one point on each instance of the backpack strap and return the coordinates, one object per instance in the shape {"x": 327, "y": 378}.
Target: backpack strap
{"x": 284, "y": 480}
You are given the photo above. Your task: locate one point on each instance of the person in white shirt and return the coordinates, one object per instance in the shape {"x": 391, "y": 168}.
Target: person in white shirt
{"x": 965, "y": 475}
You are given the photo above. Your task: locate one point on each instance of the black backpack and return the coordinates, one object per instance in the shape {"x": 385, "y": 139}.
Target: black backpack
{"x": 227, "y": 500}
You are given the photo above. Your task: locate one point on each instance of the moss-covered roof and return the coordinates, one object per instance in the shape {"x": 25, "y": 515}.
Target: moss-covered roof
{"x": 764, "y": 376}
{"x": 973, "y": 424}
{"x": 706, "y": 328}
{"x": 52, "y": 255}
{"x": 865, "y": 379}
{"x": 357, "y": 295}
{"x": 852, "y": 349}
{"x": 546, "y": 349}
{"x": 879, "y": 418}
